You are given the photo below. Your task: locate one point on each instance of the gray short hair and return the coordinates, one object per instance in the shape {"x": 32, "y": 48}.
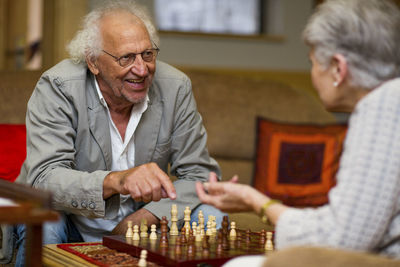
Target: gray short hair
{"x": 366, "y": 32}
{"x": 88, "y": 41}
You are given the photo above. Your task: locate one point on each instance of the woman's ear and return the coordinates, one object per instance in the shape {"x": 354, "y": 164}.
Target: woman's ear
{"x": 339, "y": 70}
{"x": 91, "y": 62}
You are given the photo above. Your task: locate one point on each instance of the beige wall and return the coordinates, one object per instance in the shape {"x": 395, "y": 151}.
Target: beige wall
{"x": 289, "y": 54}
{"x": 62, "y": 19}
{"x": 261, "y": 54}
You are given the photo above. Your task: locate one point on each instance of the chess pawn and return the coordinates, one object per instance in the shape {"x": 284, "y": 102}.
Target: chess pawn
{"x": 143, "y": 229}
{"x": 269, "y": 246}
{"x": 129, "y": 232}
{"x": 232, "y": 233}
{"x": 198, "y": 234}
{"x": 174, "y": 219}
{"x": 136, "y": 236}
{"x": 143, "y": 255}
{"x": 153, "y": 234}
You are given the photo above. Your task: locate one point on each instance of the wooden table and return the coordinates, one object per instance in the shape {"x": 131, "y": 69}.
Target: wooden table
{"x": 32, "y": 208}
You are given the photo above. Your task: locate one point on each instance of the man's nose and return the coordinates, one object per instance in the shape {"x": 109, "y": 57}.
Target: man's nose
{"x": 139, "y": 66}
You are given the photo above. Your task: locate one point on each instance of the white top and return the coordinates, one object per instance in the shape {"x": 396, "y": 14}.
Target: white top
{"x": 123, "y": 158}
{"x": 364, "y": 207}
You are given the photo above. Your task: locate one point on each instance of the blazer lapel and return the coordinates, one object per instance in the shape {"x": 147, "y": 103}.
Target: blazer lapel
{"x": 147, "y": 131}
{"x": 98, "y": 124}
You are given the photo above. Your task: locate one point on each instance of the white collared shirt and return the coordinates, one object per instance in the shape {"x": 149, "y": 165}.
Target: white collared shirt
{"x": 123, "y": 157}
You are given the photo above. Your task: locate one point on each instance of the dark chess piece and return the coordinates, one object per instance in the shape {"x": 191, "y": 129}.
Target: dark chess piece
{"x": 183, "y": 236}
{"x": 164, "y": 232}
{"x": 225, "y": 225}
{"x": 178, "y": 247}
{"x": 263, "y": 237}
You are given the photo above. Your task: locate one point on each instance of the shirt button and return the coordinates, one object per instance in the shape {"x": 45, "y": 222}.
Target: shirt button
{"x": 74, "y": 203}
{"x": 92, "y": 205}
{"x": 83, "y": 204}
{"x": 57, "y": 82}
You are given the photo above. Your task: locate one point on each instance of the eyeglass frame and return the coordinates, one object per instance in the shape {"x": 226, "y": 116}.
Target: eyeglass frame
{"x": 118, "y": 59}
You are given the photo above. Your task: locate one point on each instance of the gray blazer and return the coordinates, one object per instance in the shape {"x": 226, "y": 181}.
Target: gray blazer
{"x": 69, "y": 147}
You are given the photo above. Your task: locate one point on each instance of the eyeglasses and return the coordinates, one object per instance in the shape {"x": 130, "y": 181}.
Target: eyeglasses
{"x": 126, "y": 60}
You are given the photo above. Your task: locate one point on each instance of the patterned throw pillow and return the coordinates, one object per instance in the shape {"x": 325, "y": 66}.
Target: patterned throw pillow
{"x": 297, "y": 163}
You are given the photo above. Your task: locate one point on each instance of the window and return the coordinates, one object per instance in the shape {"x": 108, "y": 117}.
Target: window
{"x": 222, "y": 17}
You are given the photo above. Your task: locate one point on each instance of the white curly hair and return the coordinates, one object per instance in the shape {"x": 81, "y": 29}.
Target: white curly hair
{"x": 88, "y": 41}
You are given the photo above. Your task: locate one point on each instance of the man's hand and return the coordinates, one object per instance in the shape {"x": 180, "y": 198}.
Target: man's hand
{"x": 136, "y": 218}
{"x": 145, "y": 183}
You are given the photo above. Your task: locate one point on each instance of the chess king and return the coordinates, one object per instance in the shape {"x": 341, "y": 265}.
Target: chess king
{"x": 103, "y": 127}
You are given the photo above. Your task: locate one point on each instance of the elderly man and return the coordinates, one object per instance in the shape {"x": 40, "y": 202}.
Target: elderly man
{"x": 103, "y": 127}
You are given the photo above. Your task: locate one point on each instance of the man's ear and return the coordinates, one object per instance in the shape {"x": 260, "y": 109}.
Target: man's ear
{"x": 91, "y": 62}
{"x": 339, "y": 70}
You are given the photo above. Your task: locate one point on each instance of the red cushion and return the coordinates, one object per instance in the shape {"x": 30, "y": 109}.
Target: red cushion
{"x": 12, "y": 150}
{"x": 296, "y": 163}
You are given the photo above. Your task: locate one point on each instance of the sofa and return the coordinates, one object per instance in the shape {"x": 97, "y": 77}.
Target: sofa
{"x": 230, "y": 101}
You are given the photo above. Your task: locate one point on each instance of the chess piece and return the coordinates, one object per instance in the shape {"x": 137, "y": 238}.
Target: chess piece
{"x": 143, "y": 229}
{"x": 129, "y": 232}
{"x": 269, "y": 246}
{"x": 225, "y": 224}
{"x": 201, "y": 222}
{"x": 153, "y": 234}
{"x": 164, "y": 225}
{"x": 143, "y": 255}
{"x": 186, "y": 218}
{"x": 198, "y": 234}
{"x": 178, "y": 247}
{"x": 263, "y": 236}
{"x": 248, "y": 237}
{"x": 136, "y": 236}
{"x": 183, "y": 236}
{"x": 174, "y": 219}
{"x": 164, "y": 232}
{"x": 194, "y": 228}
{"x": 209, "y": 230}
{"x": 232, "y": 233}
{"x": 214, "y": 228}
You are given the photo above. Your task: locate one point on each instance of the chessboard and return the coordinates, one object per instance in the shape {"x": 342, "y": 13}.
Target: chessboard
{"x": 185, "y": 249}
{"x": 245, "y": 244}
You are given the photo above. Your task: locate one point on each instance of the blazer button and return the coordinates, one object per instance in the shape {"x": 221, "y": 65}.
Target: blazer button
{"x": 92, "y": 205}
{"x": 74, "y": 203}
{"x": 83, "y": 204}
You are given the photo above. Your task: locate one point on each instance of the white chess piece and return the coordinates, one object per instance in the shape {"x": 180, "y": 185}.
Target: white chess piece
{"x": 232, "y": 233}
{"x": 143, "y": 229}
{"x": 129, "y": 232}
{"x": 143, "y": 256}
{"x": 136, "y": 236}
{"x": 194, "y": 228}
{"x": 174, "y": 219}
{"x": 153, "y": 234}
{"x": 209, "y": 230}
{"x": 186, "y": 218}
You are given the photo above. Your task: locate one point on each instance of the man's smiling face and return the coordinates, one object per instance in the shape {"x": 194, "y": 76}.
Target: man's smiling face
{"x": 123, "y": 33}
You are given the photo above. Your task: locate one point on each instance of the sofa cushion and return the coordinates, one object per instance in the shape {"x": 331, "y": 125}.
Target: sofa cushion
{"x": 12, "y": 150}
{"x": 297, "y": 163}
{"x": 230, "y": 104}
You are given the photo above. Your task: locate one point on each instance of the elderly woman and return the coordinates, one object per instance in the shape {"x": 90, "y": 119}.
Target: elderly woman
{"x": 355, "y": 56}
